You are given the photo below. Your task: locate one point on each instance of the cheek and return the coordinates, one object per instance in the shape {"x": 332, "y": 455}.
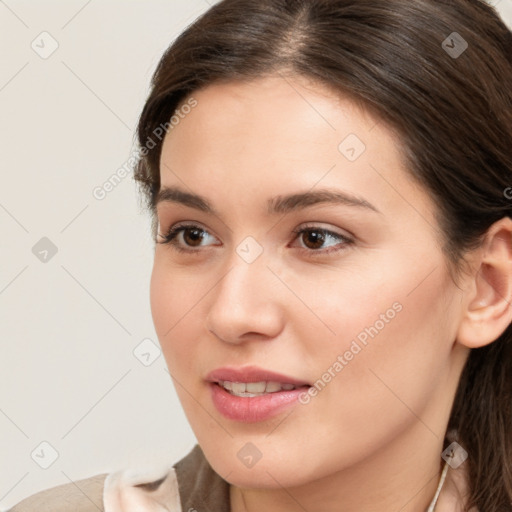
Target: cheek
{"x": 176, "y": 310}
{"x": 388, "y": 298}
{"x": 390, "y": 347}
{"x": 174, "y": 302}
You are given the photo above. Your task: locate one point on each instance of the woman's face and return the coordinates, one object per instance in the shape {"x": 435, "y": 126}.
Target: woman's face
{"x": 283, "y": 275}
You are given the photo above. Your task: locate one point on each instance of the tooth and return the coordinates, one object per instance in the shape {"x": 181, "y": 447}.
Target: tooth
{"x": 272, "y": 387}
{"x": 255, "y": 387}
{"x": 238, "y": 387}
{"x": 227, "y": 385}
{"x": 287, "y": 387}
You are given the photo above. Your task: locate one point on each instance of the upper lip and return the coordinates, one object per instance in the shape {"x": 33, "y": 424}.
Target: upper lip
{"x": 251, "y": 374}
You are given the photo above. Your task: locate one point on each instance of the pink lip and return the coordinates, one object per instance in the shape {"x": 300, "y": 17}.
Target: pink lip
{"x": 257, "y": 408}
{"x": 251, "y": 374}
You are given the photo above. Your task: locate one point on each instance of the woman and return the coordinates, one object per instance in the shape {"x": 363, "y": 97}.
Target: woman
{"x": 333, "y": 261}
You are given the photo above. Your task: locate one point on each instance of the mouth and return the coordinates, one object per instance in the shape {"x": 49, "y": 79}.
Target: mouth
{"x": 253, "y": 381}
{"x": 252, "y": 394}
{"x": 252, "y": 389}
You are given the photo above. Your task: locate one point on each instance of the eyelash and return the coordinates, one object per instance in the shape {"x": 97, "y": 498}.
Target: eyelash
{"x": 169, "y": 239}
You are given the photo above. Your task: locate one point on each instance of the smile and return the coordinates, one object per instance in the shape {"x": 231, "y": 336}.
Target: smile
{"x": 250, "y": 389}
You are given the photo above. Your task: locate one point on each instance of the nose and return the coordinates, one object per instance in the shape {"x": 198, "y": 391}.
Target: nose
{"x": 245, "y": 304}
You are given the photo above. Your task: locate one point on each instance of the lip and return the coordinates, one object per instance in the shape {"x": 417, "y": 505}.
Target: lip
{"x": 252, "y": 374}
{"x": 257, "y": 408}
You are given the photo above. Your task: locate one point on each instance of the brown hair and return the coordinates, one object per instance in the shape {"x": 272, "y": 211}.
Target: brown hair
{"x": 452, "y": 111}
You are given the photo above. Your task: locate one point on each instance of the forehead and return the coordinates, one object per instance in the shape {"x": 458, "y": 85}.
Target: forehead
{"x": 272, "y": 103}
{"x": 275, "y": 119}
{"x": 285, "y": 134}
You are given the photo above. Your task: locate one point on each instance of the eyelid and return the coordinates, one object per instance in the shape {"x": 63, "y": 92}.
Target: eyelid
{"x": 319, "y": 227}
{"x": 345, "y": 240}
{"x": 174, "y": 230}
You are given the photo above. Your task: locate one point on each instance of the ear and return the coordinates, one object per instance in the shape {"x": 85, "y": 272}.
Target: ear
{"x": 488, "y": 311}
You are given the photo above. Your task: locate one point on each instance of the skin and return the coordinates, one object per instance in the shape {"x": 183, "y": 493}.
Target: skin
{"x": 372, "y": 438}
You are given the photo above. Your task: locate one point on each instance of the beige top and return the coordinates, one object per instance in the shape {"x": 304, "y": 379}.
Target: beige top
{"x": 190, "y": 485}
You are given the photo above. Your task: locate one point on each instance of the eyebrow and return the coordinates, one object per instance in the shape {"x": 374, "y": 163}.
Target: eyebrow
{"x": 275, "y": 205}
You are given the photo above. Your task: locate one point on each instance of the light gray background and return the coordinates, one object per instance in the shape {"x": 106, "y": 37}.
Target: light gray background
{"x": 69, "y": 326}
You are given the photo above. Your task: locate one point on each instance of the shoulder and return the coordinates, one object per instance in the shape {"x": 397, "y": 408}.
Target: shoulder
{"x": 200, "y": 486}
{"x": 81, "y": 496}
{"x": 190, "y": 483}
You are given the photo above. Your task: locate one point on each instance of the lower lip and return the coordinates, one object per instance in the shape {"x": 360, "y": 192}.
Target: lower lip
{"x": 254, "y": 408}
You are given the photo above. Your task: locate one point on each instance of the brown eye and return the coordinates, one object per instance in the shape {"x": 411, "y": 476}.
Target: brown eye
{"x": 187, "y": 238}
{"x": 193, "y": 236}
{"x": 316, "y": 241}
{"x": 313, "y": 239}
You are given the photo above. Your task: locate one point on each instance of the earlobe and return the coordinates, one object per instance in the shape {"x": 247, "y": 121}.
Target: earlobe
{"x": 488, "y": 311}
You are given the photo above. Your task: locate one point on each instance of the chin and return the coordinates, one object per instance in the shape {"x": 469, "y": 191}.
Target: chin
{"x": 272, "y": 473}
{"x": 261, "y": 479}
